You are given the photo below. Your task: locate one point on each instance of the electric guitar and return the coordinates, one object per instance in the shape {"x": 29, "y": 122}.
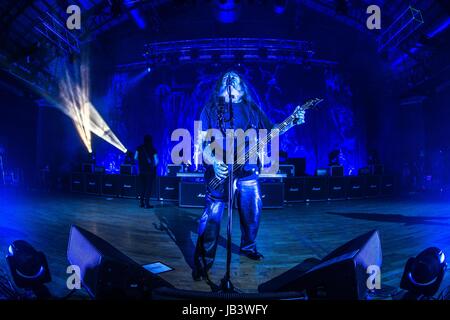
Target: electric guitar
{"x": 217, "y": 184}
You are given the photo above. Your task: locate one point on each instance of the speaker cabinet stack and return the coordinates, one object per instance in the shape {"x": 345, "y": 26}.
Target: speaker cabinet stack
{"x": 190, "y": 191}
{"x": 272, "y": 194}
{"x": 387, "y": 185}
{"x": 127, "y": 186}
{"x": 93, "y": 183}
{"x": 77, "y": 183}
{"x": 294, "y": 189}
{"x": 337, "y": 188}
{"x": 192, "y": 194}
{"x": 373, "y": 186}
{"x": 110, "y": 185}
{"x": 168, "y": 188}
{"x": 355, "y": 187}
{"x": 316, "y": 188}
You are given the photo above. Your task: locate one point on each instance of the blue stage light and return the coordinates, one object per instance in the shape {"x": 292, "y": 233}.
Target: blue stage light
{"x": 28, "y": 267}
{"x": 441, "y": 27}
{"x": 423, "y": 274}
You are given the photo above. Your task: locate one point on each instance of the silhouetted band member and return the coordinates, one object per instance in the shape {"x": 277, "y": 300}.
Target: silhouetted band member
{"x": 246, "y": 114}
{"x": 147, "y": 159}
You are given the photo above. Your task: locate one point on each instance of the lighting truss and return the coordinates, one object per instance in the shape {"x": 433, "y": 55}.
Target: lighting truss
{"x": 408, "y": 22}
{"x": 58, "y": 34}
{"x": 216, "y": 50}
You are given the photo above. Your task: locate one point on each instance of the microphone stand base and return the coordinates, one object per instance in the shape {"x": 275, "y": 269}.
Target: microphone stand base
{"x": 227, "y": 286}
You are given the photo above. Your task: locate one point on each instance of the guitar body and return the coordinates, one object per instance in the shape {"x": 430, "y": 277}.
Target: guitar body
{"x": 217, "y": 187}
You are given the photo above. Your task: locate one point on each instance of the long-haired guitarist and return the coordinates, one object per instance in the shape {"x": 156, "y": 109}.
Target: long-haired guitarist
{"x": 244, "y": 114}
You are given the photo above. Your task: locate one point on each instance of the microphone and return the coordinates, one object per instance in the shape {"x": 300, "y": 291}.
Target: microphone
{"x": 230, "y": 97}
{"x": 229, "y": 81}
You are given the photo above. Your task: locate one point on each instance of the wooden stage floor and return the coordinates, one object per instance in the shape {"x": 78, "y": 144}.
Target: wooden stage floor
{"x": 168, "y": 233}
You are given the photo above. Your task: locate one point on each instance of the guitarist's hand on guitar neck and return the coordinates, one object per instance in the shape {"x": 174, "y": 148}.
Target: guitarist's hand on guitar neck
{"x": 220, "y": 169}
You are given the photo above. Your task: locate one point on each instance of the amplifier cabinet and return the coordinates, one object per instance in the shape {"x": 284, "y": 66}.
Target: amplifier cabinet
{"x": 337, "y": 188}
{"x": 155, "y": 189}
{"x": 387, "y": 185}
{"x": 288, "y": 169}
{"x": 372, "y": 186}
{"x": 294, "y": 189}
{"x": 169, "y": 188}
{"x": 356, "y": 187}
{"x": 316, "y": 188}
{"x": 192, "y": 194}
{"x": 77, "y": 183}
{"x": 110, "y": 185}
{"x": 93, "y": 183}
{"x": 128, "y": 186}
{"x": 336, "y": 171}
{"x": 272, "y": 194}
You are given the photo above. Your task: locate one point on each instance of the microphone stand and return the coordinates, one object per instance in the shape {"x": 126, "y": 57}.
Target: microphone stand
{"x": 225, "y": 283}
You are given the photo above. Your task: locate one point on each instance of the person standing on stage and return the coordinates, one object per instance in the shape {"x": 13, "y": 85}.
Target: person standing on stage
{"x": 147, "y": 159}
{"x": 246, "y": 115}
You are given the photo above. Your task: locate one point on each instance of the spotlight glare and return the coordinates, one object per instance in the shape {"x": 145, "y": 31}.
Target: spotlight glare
{"x": 78, "y": 107}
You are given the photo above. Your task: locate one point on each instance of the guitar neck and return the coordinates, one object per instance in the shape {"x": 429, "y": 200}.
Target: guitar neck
{"x": 280, "y": 128}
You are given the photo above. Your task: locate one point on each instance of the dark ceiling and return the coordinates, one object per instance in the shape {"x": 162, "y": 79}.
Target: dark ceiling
{"x": 28, "y": 48}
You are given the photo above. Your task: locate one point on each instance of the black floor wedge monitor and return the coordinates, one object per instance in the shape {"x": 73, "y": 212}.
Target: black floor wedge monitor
{"x": 107, "y": 273}
{"x": 343, "y": 274}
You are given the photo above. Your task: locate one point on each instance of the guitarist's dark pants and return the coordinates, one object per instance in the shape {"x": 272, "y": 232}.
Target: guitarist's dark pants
{"x": 145, "y": 183}
{"x": 249, "y": 206}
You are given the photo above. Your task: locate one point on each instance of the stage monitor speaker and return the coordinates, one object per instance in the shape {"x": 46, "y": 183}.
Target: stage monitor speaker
{"x": 107, "y": 273}
{"x": 341, "y": 275}
{"x": 272, "y": 194}
{"x": 294, "y": 189}
{"x": 192, "y": 194}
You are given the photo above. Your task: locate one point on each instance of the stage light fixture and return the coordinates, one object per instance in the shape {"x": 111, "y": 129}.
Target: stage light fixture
{"x": 28, "y": 267}
{"x": 423, "y": 274}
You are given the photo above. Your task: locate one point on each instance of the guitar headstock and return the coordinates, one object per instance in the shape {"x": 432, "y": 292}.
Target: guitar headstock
{"x": 299, "y": 112}
{"x": 310, "y": 104}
